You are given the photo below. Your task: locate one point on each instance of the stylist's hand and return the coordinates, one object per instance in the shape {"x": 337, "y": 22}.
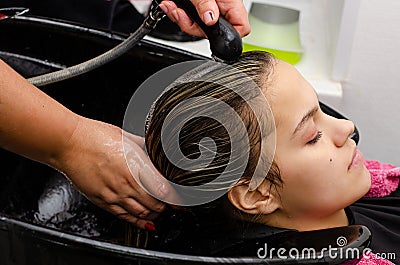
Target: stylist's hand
{"x": 96, "y": 164}
{"x": 209, "y": 11}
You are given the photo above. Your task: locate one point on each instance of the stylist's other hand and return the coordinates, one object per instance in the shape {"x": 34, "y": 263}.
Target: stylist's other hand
{"x": 209, "y": 11}
{"x": 95, "y": 163}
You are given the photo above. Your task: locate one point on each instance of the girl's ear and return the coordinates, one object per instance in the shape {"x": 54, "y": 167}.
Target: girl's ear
{"x": 263, "y": 200}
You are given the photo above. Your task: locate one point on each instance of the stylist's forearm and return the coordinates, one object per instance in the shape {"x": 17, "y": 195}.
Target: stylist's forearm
{"x": 31, "y": 123}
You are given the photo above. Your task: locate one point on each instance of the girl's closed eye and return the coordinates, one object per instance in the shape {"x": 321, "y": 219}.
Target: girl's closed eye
{"x": 315, "y": 139}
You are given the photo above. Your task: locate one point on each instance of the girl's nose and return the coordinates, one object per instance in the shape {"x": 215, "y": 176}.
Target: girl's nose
{"x": 342, "y": 131}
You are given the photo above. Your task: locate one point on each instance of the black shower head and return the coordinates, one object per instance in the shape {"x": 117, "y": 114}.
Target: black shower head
{"x": 225, "y": 41}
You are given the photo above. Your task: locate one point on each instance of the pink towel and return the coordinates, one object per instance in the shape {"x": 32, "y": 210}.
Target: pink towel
{"x": 369, "y": 259}
{"x": 384, "y": 178}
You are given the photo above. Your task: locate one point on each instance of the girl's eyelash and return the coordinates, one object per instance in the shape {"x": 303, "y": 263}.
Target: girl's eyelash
{"x": 316, "y": 138}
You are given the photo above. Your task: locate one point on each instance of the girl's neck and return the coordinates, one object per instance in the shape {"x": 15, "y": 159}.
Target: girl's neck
{"x": 306, "y": 223}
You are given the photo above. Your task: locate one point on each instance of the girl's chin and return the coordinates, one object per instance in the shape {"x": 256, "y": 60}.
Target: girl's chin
{"x": 364, "y": 183}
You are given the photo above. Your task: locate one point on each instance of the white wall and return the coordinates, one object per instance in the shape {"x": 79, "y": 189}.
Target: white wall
{"x": 371, "y": 91}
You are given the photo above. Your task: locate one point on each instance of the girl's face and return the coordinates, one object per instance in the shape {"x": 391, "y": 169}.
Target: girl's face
{"x": 321, "y": 168}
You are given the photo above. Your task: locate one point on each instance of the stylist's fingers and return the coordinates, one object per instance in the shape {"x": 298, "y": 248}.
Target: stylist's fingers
{"x": 121, "y": 213}
{"x": 208, "y": 11}
{"x": 134, "y": 138}
{"x": 136, "y": 209}
{"x": 179, "y": 16}
{"x": 157, "y": 185}
{"x": 153, "y": 187}
{"x": 236, "y": 14}
{"x": 148, "y": 176}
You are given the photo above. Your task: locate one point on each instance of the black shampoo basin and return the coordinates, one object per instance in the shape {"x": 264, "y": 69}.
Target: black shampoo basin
{"x": 33, "y": 46}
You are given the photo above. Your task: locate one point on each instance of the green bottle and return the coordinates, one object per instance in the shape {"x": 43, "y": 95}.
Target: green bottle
{"x": 276, "y": 30}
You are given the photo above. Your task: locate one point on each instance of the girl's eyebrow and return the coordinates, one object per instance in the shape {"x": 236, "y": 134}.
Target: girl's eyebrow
{"x": 305, "y": 118}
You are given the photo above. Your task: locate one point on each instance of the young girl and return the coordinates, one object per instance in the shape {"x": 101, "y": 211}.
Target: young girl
{"x": 313, "y": 179}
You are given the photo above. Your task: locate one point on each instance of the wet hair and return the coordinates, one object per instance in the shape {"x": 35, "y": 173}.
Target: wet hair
{"x": 227, "y": 85}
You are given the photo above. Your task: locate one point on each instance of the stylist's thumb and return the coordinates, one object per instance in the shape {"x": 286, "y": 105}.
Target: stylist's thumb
{"x": 207, "y": 10}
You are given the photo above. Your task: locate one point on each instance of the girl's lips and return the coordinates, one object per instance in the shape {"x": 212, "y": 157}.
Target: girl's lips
{"x": 358, "y": 158}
